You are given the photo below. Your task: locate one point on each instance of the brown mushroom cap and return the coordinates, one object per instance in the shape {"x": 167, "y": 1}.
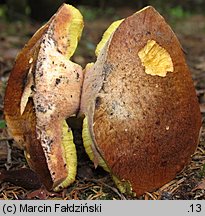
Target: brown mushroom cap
{"x": 43, "y": 90}
{"x": 140, "y": 102}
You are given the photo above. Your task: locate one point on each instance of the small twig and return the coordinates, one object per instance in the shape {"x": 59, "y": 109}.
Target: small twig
{"x": 151, "y": 195}
{"x": 200, "y": 149}
{"x": 9, "y": 160}
{"x": 169, "y": 184}
{"x": 178, "y": 183}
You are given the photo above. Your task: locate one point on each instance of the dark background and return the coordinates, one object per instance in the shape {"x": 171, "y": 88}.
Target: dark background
{"x": 43, "y": 9}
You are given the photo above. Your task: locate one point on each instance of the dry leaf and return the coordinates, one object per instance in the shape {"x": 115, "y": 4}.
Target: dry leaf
{"x": 200, "y": 186}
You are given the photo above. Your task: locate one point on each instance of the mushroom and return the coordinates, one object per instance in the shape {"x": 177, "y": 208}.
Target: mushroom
{"x": 141, "y": 114}
{"x": 43, "y": 91}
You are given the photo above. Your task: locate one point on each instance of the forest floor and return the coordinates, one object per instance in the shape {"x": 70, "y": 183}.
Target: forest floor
{"x": 95, "y": 183}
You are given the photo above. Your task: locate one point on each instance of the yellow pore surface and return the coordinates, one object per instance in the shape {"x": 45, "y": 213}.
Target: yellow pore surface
{"x": 155, "y": 59}
{"x": 88, "y": 142}
{"x": 70, "y": 156}
{"x": 107, "y": 35}
{"x": 75, "y": 29}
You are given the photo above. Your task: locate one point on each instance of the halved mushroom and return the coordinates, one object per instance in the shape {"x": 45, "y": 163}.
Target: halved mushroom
{"x": 43, "y": 90}
{"x": 142, "y": 117}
